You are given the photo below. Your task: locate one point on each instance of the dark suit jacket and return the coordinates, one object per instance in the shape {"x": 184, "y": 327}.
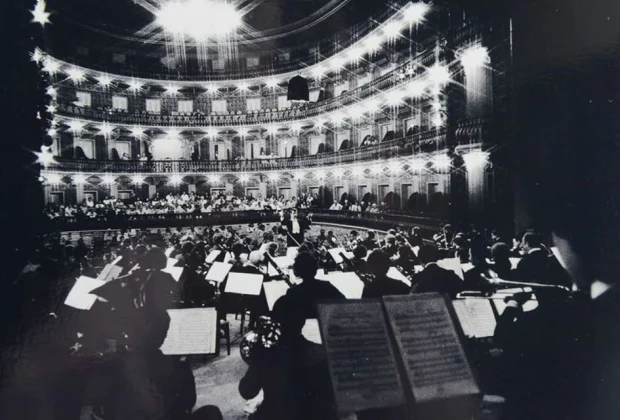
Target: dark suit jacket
{"x": 533, "y": 267}
{"x": 436, "y": 279}
{"x": 385, "y": 286}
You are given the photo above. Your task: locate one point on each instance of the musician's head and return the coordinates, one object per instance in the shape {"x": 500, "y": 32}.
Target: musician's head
{"x": 405, "y": 251}
{"x": 530, "y": 241}
{"x": 390, "y": 239}
{"x": 415, "y": 231}
{"x": 155, "y": 259}
{"x": 428, "y": 254}
{"x": 370, "y": 234}
{"x": 256, "y": 258}
{"x": 500, "y": 253}
{"x": 360, "y": 252}
{"x": 379, "y": 262}
{"x": 305, "y": 266}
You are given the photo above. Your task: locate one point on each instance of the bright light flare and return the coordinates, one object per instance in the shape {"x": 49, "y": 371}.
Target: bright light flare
{"x": 318, "y": 72}
{"x": 272, "y": 130}
{"x": 475, "y": 57}
{"x": 135, "y": 85}
{"x": 417, "y": 165}
{"x": 373, "y": 43}
{"x": 271, "y": 83}
{"x": 392, "y": 29}
{"x": 355, "y": 54}
{"x": 79, "y": 179}
{"x": 45, "y": 157}
{"x": 137, "y": 179}
{"x": 338, "y": 172}
{"x": 244, "y": 178}
{"x": 53, "y": 178}
{"x": 475, "y": 159}
{"x": 394, "y": 98}
{"x": 441, "y": 161}
{"x": 296, "y": 127}
{"x": 37, "y": 55}
{"x": 51, "y": 109}
{"x": 416, "y": 88}
{"x": 243, "y": 86}
{"x": 337, "y": 117}
{"x": 50, "y": 66}
{"x": 176, "y": 179}
{"x": 51, "y": 91}
{"x": 105, "y": 129}
{"x": 338, "y": 63}
{"x": 52, "y": 132}
{"x": 320, "y": 174}
{"x": 198, "y": 19}
{"x": 394, "y": 168}
{"x": 104, "y": 80}
{"x": 298, "y": 176}
{"x": 357, "y": 171}
{"x": 212, "y": 132}
{"x": 437, "y": 120}
{"x": 39, "y": 14}
{"x": 172, "y": 89}
{"x": 274, "y": 176}
{"x": 136, "y": 131}
{"x": 416, "y": 12}
{"x": 242, "y": 131}
{"x": 108, "y": 179}
{"x": 373, "y": 105}
{"x": 439, "y": 74}
{"x": 376, "y": 169}
{"x": 214, "y": 179}
{"x": 76, "y": 126}
{"x": 76, "y": 74}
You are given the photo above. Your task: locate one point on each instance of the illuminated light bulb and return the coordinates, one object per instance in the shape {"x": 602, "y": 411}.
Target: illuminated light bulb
{"x": 394, "y": 97}
{"x": 172, "y": 89}
{"x": 105, "y": 129}
{"x": 53, "y": 178}
{"x": 416, "y": 12}
{"x": 338, "y": 172}
{"x": 198, "y": 19}
{"x": 392, "y": 29}
{"x": 437, "y": 120}
{"x": 337, "y": 117}
{"x": 271, "y": 83}
{"x": 173, "y": 133}
{"x": 51, "y": 91}
{"x": 417, "y": 164}
{"x": 45, "y": 157}
{"x": 274, "y": 176}
{"x": 108, "y": 179}
{"x": 272, "y": 130}
{"x": 51, "y": 132}
{"x": 76, "y": 74}
{"x": 416, "y": 88}
{"x": 54, "y": 122}
{"x": 441, "y": 161}
{"x": 438, "y": 74}
{"x": 214, "y": 179}
{"x": 137, "y": 179}
{"x": 242, "y": 131}
{"x": 373, "y": 43}
{"x": 476, "y": 56}
{"x": 51, "y": 109}
{"x": 135, "y": 85}
{"x": 39, "y": 14}
{"x": 210, "y": 88}
{"x": 50, "y": 65}
{"x": 296, "y": 127}
{"x": 244, "y": 178}
{"x": 357, "y": 171}
{"x": 298, "y": 175}
{"x": 338, "y": 63}
{"x": 243, "y": 86}
{"x": 373, "y": 105}
{"x": 356, "y": 111}
{"x": 320, "y": 174}
{"x": 318, "y": 71}
{"x": 475, "y": 159}
{"x": 76, "y": 126}
{"x": 212, "y": 132}
{"x": 104, "y": 80}
{"x": 355, "y": 53}
{"x": 79, "y": 179}
{"x": 136, "y": 131}
{"x": 36, "y": 55}
{"x": 176, "y": 179}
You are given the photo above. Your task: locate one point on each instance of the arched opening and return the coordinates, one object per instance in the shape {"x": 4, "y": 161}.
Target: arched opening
{"x": 392, "y": 201}
{"x": 79, "y": 153}
{"x": 294, "y": 151}
{"x": 228, "y": 154}
{"x": 321, "y": 148}
{"x": 344, "y": 197}
{"x": 344, "y": 145}
{"x": 412, "y": 203}
{"x": 368, "y": 140}
{"x": 237, "y": 147}
{"x": 390, "y": 135}
{"x": 115, "y": 155}
{"x": 195, "y": 152}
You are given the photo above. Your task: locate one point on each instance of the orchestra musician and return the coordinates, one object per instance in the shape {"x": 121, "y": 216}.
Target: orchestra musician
{"x": 382, "y": 285}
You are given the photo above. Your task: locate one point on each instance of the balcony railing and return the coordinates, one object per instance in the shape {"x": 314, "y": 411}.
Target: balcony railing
{"x": 405, "y": 146}
{"x": 198, "y": 119}
{"x": 379, "y": 221}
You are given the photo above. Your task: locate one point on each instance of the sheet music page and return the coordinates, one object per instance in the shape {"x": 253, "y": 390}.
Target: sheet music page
{"x": 321, "y": 275}
{"x": 218, "y": 271}
{"x": 416, "y": 249}
{"x": 360, "y": 357}
{"x": 244, "y": 284}
{"x": 79, "y": 296}
{"x": 349, "y": 284}
{"x": 335, "y": 253}
{"x": 291, "y": 252}
{"x": 105, "y": 272}
{"x": 434, "y": 358}
{"x": 171, "y": 262}
{"x": 311, "y": 331}
{"x": 274, "y": 290}
{"x": 514, "y": 262}
{"x": 212, "y": 256}
{"x": 476, "y": 317}
{"x": 453, "y": 264}
{"x": 284, "y": 262}
{"x": 192, "y": 331}
{"x": 466, "y": 267}
{"x": 397, "y": 275}
{"x": 175, "y": 272}
{"x": 271, "y": 271}
{"x": 169, "y": 251}
{"x": 117, "y": 260}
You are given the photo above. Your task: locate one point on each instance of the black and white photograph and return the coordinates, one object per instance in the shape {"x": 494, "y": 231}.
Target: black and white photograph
{"x": 310, "y": 210}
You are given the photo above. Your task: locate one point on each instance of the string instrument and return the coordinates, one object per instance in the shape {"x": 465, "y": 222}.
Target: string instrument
{"x": 365, "y": 276}
{"x": 281, "y": 273}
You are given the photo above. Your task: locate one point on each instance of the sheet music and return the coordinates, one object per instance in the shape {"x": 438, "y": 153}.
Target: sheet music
{"x": 274, "y": 290}
{"x": 466, "y": 267}
{"x": 514, "y": 262}
{"x": 335, "y": 253}
{"x": 171, "y": 262}
{"x": 360, "y": 358}
{"x": 169, "y": 251}
{"x": 291, "y": 252}
{"x": 311, "y": 331}
{"x": 117, "y": 260}
{"x": 416, "y": 250}
{"x": 394, "y": 273}
{"x": 212, "y": 256}
{"x": 79, "y": 296}
{"x": 453, "y": 264}
{"x": 271, "y": 270}
{"x": 244, "y": 283}
{"x": 192, "y": 331}
{"x": 476, "y": 317}
{"x": 434, "y": 358}
{"x": 175, "y": 272}
{"x": 284, "y": 262}
{"x": 349, "y": 284}
{"x": 218, "y": 271}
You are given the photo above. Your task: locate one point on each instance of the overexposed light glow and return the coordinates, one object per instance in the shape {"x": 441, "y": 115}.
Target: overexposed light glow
{"x": 298, "y": 175}
{"x": 76, "y": 126}
{"x": 242, "y": 131}
{"x": 51, "y": 91}
{"x": 337, "y": 117}
{"x": 172, "y": 89}
{"x": 417, "y": 164}
{"x": 244, "y": 178}
{"x": 475, "y": 56}
{"x": 51, "y": 109}
{"x": 104, "y": 80}
{"x": 136, "y": 131}
{"x": 441, "y": 161}
{"x": 373, "y": 105}
{"x": 394, "y": 168}
{"x": 137, "y": 179}
{"x": 198, "y": 19}
{"x": 45, "y": 157}
{"x": 373, "y": 43}
{"x": 357, "y": 171}
{"x": 39, "y": 14}
{"x": 210, "y": 88}
{"x": 355, "y": 53}
{"x": 320, "y": 174}
{"x": 76, "y": 74}
{"x": 274, "y": 176}
{"x": 437, "y": 120}
{"x": 50, "y": 65}
{"x": 135, "y": 85}
{"x": 212, "y": 132}
{"x": 51, "y": 132}
{"x": 272, "y": 130}
{"x": 392, "y": 29}
{"x": 79, "y": 179}
{"x": 394, "y": 97}
{"x": 243, "y": 86}
{"x": 416, "y": 88}
{"x": 416, "y": 12}
{"x": 176, "y": 179}
{"x": 214, "y": 179}
{"x": 296, "y": 127}
{"x": 438, "y": 74}
{"x": 108, "y": 179}
{"x": 338, "y": 63}
{"x": 475, "y": 159}
{"x": 356, "y": 111}
{"x": 437, "y": 106}
{"x": 105, "y": 129}
{"x": 36, "y": 55}
{"x": 318, "y": 71}
{"x": 376, "y": 169}
{"x": 271, "y": 83}
{"x": 53, "y": 178}
{"x": 173, "y": 133}
{"x": 338, "y": 172}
